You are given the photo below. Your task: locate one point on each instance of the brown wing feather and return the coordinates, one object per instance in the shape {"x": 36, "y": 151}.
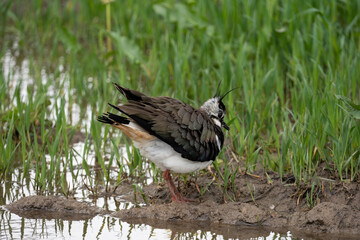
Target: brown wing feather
{"x": 188, "y": 130}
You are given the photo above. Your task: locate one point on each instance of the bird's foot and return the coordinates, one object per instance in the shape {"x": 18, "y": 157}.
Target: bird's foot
{"x": 182, "y": 199}
{"x": 176, "y": 196}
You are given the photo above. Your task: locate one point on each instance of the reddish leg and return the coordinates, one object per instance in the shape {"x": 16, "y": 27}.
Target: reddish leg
{"x": 176, "y": 196}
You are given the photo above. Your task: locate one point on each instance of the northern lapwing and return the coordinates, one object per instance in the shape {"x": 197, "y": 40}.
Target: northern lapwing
{"x": 172, "y": 134}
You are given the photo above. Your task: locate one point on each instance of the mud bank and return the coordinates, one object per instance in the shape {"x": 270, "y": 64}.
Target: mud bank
{"x": 52, "y": 207}
{"x": 333, "y": 207}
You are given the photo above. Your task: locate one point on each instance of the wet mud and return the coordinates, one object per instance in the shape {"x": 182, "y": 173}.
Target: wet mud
{"x": 260, "y": 200}
{"x": 52, "y": 207}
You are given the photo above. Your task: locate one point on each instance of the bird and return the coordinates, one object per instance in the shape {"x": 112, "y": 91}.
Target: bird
{"x": 172, "y": 134}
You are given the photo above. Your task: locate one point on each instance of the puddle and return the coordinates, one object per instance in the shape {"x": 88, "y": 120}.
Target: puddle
{"x": 107, "y": 227}
{"x": 14, "y": 227}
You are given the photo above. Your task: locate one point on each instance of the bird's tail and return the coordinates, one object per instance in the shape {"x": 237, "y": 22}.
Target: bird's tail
{"x": 113, "y": 119}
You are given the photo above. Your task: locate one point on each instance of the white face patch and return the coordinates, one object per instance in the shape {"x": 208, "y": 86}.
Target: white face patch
{"x": 217, "y": 122}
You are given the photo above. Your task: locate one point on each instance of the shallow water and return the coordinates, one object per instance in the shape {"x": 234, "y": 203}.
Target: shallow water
{"x": 106, "y": 227}
{"x": 15, "y": 227}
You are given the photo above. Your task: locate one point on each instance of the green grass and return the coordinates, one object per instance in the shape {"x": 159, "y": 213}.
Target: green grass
{"x": 296, "y": 64}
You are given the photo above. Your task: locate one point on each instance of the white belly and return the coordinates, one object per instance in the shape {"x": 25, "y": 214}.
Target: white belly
{"x": 165, "y": 157}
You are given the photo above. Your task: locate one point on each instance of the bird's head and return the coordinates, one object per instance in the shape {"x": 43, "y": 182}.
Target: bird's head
{"x": 215, "y": 108}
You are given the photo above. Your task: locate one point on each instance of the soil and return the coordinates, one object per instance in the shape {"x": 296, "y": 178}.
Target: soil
{"x": 260, "y": 199}
{"x": 50, "y": 207}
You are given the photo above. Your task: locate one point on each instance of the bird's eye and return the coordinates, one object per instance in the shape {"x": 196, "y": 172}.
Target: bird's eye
{"x": 221, "y": 114}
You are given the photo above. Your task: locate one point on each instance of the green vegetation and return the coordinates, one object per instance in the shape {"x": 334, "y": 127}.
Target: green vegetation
{"x": 296, "y": 63}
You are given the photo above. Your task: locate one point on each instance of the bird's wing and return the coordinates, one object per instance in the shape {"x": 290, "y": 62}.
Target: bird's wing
{"x": 189, "y": 131}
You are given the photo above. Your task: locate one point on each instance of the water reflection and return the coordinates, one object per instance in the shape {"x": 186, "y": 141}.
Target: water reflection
{"x": 107, "y": 227}
{"x": 14, "y": 227}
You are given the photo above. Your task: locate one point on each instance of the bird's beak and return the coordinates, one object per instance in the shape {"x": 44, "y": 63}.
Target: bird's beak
{"x": 225, "y": 126}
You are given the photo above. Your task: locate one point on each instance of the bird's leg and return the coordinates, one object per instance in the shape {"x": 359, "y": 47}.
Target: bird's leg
{"x": 173, "y": 190}
{"x": 176, "y": 196}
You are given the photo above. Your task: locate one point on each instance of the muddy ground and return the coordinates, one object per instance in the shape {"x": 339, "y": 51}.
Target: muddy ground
{"x": 259, "y": 200}
{"x": 50, "y": 207}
